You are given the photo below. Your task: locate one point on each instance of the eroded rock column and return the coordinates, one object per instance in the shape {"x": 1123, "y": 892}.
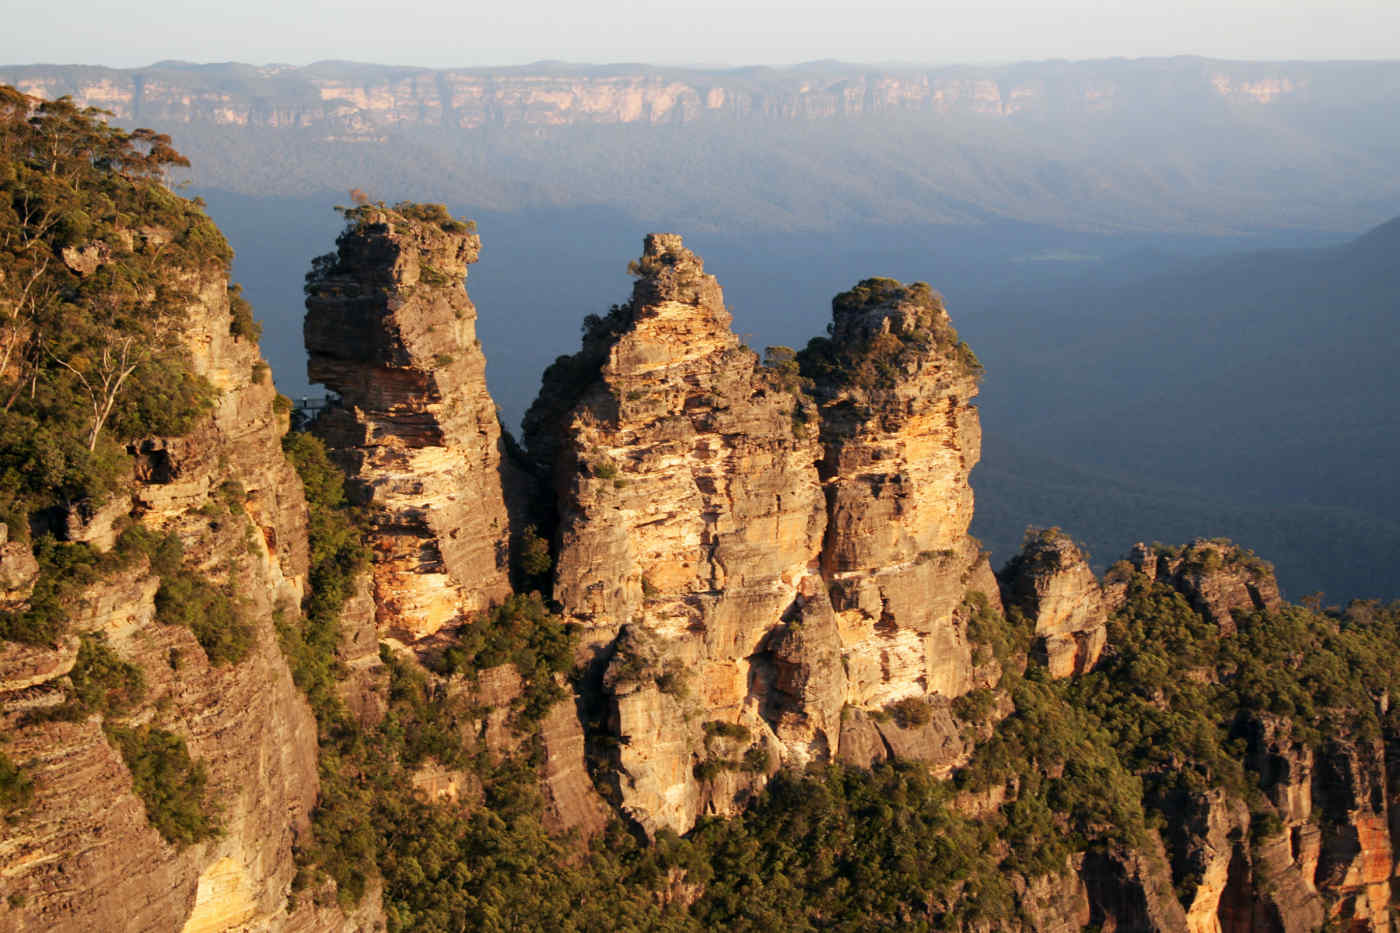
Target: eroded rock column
{"x": 900, "y": 436}
{"x": 691, "y": 518}
{"x": 389, "y": 327}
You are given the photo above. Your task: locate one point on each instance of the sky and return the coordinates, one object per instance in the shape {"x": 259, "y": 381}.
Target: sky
{"x": 447, "y": 33}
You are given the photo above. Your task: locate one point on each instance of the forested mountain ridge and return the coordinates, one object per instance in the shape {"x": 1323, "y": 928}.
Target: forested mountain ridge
{"x": 713, "y": 649}
{"x": 344, "y": 95}
{"x": 1152, "y": 144}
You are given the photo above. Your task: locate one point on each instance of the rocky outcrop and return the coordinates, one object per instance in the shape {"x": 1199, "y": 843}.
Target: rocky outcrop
{"x": 1216, "y": 576}
{"x": 690, "y": 519}
{"x": 900, "y": 437}
{"x": 390, "y": 328}
{"x": 1052, "y": 585}
{"x": 363, "y": 687}
{"x": 759, "y": 572}
{"x": 18, "y": 570}
{"x": 84, "y": 855}
{"x": 1131, "y": 889}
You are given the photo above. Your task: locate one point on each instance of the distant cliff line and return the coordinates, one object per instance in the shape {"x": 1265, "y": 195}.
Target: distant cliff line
{"x": 358, "y": 99}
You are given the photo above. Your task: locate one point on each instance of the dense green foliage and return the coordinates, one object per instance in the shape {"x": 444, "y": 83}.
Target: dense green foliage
{"x": 213, "y": 612}
{"x": 338, "y": 555}
{"x": 523, "y": 632}
{"x": 89, "y": 307}
{"x": 1176, "y": 692}
{"x": 16, "y": 788}
{"x": 877, "y": 359}
{"x": 171, "y": 784}
{"x": 102, "y": 681}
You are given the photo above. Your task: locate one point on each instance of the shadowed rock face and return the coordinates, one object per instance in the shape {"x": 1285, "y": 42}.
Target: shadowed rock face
{"x": 1053, "y": 586}
{"x": 390, "y": 328}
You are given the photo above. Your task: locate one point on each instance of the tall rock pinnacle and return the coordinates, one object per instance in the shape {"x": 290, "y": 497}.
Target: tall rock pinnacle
{"x": 691, "y": 518}
{"x": 900, "y": 437}
{"x": 390, "y": 328}
{"x": 754, "y": 570}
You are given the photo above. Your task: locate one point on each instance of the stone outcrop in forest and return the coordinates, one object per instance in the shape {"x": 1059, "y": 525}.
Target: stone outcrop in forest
{"x": 714, "y": 651}
{"x": 1052, "y": 585}
{"x": 754, "y": 566}
{"x": 390, "y": 329}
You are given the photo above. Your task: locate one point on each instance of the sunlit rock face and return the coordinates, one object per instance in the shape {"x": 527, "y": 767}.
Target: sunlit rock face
{"x": 900, "y": 436}
{"x": 389, "y": 327}
{"x": 749, "y": 552}
{"x": 690, "y": 519}
{"x": 1053, "y": 586}
{"x": 84, "y": 855}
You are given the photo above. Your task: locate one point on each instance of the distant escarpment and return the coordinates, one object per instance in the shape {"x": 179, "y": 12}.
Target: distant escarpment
{"x": 390, "y": 329}
{"x": 358, "y": 99}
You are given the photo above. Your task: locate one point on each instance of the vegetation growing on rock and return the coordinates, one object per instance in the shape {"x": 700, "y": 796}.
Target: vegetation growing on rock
{"x": 171, "y": 784}
{"x": 882, "y": 328}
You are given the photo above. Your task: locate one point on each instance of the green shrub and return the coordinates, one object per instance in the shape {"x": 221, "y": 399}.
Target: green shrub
{"x": 727, "y": 730}
{"x": 16, "y": 788}
{"x": 757, "y": 760}
{"x": 102, "y": 681}
{"x": 534, "y": 560}
{"x": 523, "y": 632}
{"x": 241, "y": 321}
{"x": 216, "y": 616}
{"x": 172, "y": 785}
{"x": 910, "y": 712}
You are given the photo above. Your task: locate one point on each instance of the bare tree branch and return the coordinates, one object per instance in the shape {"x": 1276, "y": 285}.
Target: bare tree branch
{"x": 108, "y": 378}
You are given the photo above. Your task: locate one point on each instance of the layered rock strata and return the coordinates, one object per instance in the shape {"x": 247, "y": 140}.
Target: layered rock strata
{"x": 1052, "y": 585}
{"x": 690, "y": 520}
{"x": 900, "y": 437}
{"x": 389, "y": 327}
{"x": 84, "y": 855}
{"x": 754, "y": 571}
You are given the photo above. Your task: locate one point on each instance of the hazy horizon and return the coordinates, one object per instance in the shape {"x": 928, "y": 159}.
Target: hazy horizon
{"x": 697, "y": 66}
{"x": 725, "y": 34}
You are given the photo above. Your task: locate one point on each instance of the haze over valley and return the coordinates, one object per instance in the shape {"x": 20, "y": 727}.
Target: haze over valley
{"x": 1053, "y": 204}
{"x": 616, "y": 498}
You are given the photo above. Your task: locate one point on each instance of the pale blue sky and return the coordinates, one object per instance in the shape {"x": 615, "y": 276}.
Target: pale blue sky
{"x": 445, "y": 33}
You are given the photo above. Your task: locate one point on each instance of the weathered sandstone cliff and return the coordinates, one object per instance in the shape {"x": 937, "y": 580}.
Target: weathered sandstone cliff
{"x": 690, "y": 520}
{"x": 83, "y": 855}
{"x": 900, "y": 437}
{"x": 366, "y": 100}
{"x": 1051, "y": 583}
{"x": 390, "y": 328}
{"x": 758, "y": 572}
